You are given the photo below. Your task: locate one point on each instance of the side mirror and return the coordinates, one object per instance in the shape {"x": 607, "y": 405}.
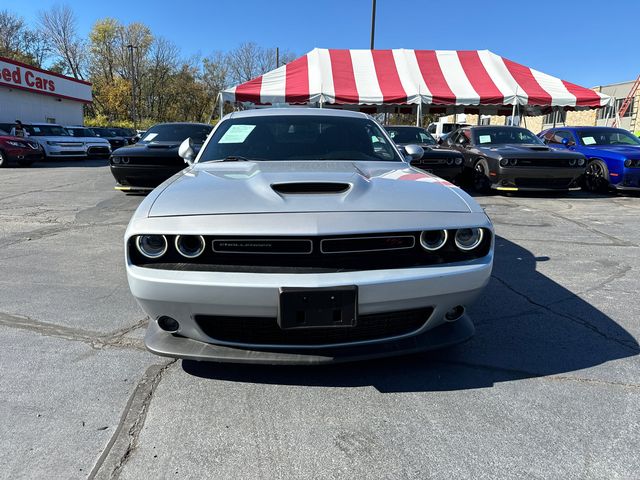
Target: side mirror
{"x": 414, "y": 152}
{"x": 186, "y": 151}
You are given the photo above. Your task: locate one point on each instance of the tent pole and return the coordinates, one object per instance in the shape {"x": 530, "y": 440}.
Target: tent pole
{"x": 221, "y": 105}
{"x": 555, "y": 117}
{"x": 419, "y": 115}
{"x": 513, "y": 113}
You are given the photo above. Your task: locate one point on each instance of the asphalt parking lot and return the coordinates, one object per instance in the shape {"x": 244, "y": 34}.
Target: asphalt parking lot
{"x": 549, "y": 387}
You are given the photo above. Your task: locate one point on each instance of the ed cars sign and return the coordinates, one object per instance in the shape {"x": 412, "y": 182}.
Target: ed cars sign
{"x": 18, "y": 75}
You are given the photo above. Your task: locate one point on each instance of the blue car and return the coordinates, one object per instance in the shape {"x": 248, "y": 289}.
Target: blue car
{"x": 613, "y": 155}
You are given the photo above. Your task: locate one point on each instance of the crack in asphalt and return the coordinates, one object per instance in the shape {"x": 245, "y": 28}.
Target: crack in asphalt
{"x": 571, "y": 318}
{"x": 95, "y": 340}
{"x": 125, "y": 437}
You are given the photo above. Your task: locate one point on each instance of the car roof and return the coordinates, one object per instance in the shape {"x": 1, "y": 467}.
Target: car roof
{"x": 174, "y": 123}
{"x": 402, "y": 126}
{"x": 492, "y": 126}
{"x": 325, "y": 112}
{"x": 43, "y": 124}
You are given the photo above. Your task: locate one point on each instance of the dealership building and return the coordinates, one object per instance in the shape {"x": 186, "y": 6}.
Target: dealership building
{"x": 31, "y": 94}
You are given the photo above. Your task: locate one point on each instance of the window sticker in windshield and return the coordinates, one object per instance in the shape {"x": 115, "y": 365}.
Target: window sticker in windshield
{"x": 150, "y": 137}
{"x": 588, "y": 140}
{"x": 484, "y": 138}
{"x": 237, "y": 134}
{"x": 36, "y": 129}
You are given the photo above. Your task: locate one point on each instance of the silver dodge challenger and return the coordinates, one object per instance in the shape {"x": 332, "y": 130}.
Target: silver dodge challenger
{"x": 303, "y": 236}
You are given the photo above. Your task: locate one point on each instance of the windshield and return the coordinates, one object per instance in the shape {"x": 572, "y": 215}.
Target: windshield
{"x": 503, "y": 135}
{"x": 607, "y": 136}
{"x": 177, "y": 132}
{"x": 410, "y": 135}
{"x": 104, "y": 132}
{"x": 81, "y": 132}
{"x": 299, "y": 137}
{"x": 2, "y": 132}
{"x": 46, "y": 131}
{"x": 450, "y": 127}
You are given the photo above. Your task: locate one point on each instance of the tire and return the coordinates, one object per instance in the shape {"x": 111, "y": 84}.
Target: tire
{"x": 596, "y": 177}
{"x": 3, "y": 160}
{"x": 481, "y": 180}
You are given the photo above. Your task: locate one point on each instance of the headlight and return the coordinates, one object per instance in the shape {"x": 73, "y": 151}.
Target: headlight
{"x": 432, "y": 240}
{"x": 152, "y": 246}
{"x": 504, "y": 162}
{"x": 115, "y": 159}
{"x": 627, "y": 162}
{"x": 468, "y": 238}
{"x": 572, "y": 162}
{"x": 581, "y": 162}
{"x": 513, "y": 162}
{"x": 459, "y": 161}
{"x": 15, "y": 144}
{"x": 52, "y": 143}
{"x": 190, "y": 246}
{"x": 449, "y": 161}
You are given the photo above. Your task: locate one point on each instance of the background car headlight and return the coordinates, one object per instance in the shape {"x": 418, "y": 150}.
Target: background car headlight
{"x": 449, "y": 161}
{"x": 52, "y": 143}
{"x": 115, "y": 159}
{"x": 433, "y": 240}
{"x": 15, "y": 144}
{"x": 458, "y": 161}
{"x": 504, "y": 162}
{"x": 152, "y": 246}
{"x": 468, "y": 238}
{"x": 572, "y": 162}
{"x": 190, "y": 246}
{"x": 581, "y": 162}
{"x": 513, "y": 162}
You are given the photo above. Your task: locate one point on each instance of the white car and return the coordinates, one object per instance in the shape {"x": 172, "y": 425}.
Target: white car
{"x": 56, "y": 141}
{"x": 303, "y": 236}
{"x": 97, "y": 147}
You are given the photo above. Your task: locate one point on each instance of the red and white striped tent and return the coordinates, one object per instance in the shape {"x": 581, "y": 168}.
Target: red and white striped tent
{"x": 435, "y": 80}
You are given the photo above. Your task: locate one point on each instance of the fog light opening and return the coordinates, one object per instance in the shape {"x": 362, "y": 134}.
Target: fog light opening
{"x": 454, "y": 314}
{"x": 168, "y": 324}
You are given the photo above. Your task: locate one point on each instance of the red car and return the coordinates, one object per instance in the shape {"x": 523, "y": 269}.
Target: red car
{"x": 19, "y": 150}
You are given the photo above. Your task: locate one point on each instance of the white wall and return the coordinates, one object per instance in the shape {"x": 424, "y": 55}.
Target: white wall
{"x": 33, "y": 107}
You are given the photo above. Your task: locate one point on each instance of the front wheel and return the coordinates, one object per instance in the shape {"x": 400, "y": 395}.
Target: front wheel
{"x": 3, "y": 160}
{"x": 596, "y": 177}
{"x": 481, "y": 180}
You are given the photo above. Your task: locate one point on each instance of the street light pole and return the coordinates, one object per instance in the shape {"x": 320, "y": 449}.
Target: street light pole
{"x": 373, "y": 22}
{"x": 133, "y": 86}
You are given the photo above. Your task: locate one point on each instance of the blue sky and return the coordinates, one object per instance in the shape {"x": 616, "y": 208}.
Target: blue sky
{"x": 579, "y": 41}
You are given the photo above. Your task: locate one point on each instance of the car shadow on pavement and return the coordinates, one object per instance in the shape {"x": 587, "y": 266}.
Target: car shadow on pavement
{"x": 98, "y": 162}
{"x": 527, "y": 326}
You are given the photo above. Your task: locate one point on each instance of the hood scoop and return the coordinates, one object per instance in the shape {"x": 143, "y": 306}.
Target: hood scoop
{"x": 310, "y": 188}
{"x": 539, "y": 149}
{"x": 162, "y": 145}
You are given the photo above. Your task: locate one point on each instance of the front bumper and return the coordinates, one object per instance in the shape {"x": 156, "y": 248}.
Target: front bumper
{"x": 24, "y": 155}
{"x": 142, "y": 177}
{"x": 182, "y": 295}
{"x": 58, "y": 152}
{"x": 535, "y": 179}
{"x": 629, "y": 180}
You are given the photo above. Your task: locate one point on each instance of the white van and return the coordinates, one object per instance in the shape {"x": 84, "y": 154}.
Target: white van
{"x": 438, "y": 129}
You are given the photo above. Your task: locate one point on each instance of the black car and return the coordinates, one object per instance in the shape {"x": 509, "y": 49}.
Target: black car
{"x": 513, "y": 158}
{"x": 115, "y": 139}
{"x": 443, "y": 162}
{"x": 129, "y": 134}
{"x": 146, "y": 164}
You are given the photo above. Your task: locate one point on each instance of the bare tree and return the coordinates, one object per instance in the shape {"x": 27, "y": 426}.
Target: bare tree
{"x": 19, "y": 42}
{"x": 59, "y": 25}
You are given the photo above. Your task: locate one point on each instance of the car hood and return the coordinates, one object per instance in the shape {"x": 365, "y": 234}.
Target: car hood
{"x": 276, "y": 187}
{"x": 52, "y": 138}
{"x": 627, "y": 151}
{"x": 164, "y": 149}
{"x": 525, "y": 150}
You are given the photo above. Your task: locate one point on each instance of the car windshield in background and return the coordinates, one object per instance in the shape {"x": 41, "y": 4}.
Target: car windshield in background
{"x": 501, "y": 136}
{"x": 46, "y": 131}
{"x": 176, "y": 133}
{"x": 602, "y": 136}
{"x": 104, "y": 132}
{"x": 81, "y": 132}
{"x": 2, "y": 132}
{"x": 299, "y": 137}
{"x": 410, "y": 135}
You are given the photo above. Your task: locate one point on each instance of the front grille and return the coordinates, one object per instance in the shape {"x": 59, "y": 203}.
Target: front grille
{"x": 265, "y": 331}
{"x": 342, "y": 253}
{"x": 543, "y": 162}
{"x": 445, "y": 162}
{"x": 98, "y": 150}
{"x": 559, "y": 183}
{"x": 165, "y": 160}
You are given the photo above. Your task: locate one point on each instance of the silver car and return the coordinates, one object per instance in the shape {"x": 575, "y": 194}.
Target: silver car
{"x": 303, "y": 236}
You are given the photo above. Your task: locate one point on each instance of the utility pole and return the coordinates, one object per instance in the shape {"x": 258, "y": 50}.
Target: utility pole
{"x": 373, "y": 22}
{"x": 133, "y": 87}
{"x": 277, "y": 57}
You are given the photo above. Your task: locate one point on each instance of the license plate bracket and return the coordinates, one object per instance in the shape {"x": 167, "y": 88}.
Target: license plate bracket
{"x": 330, "y": 307}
